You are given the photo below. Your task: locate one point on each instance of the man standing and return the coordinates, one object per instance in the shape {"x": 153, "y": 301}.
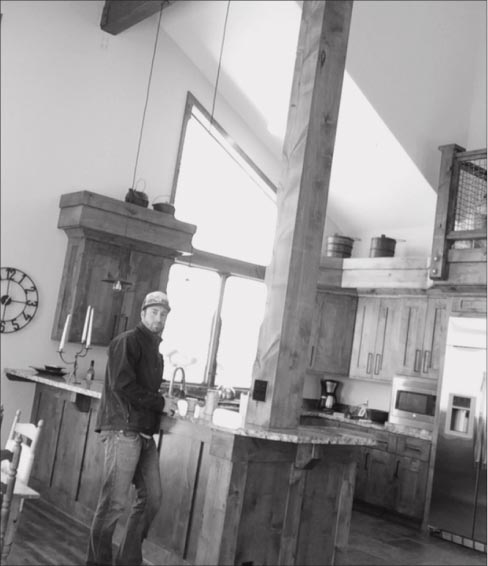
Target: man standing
{"x": 129, "y": 414}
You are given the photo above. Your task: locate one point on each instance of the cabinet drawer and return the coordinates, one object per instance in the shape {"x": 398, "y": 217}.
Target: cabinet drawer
{"x": 469, "y": 304}
{"x": 385, "y": 441}
{"x": 413, "y": 447}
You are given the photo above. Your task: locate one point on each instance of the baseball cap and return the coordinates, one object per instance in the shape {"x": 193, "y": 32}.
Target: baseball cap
{"x": 156, "y": 298}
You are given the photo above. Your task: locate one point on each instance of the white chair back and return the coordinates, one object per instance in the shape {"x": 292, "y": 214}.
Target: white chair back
{"x": 29, "y": 435}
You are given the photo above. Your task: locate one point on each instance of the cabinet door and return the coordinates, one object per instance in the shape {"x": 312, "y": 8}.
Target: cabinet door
{"x": 145, "y": 272}
{"x": 98, "y": 261}
{"x": 435, "y": 335}
{"x": 375, "y": 483}
{"x": 411, "y": 481}
{"x": 332, "y": 339}
{"x": 411, "y": 335}
{"x": 364, "y": 342}
{"x": 386, "y": 345}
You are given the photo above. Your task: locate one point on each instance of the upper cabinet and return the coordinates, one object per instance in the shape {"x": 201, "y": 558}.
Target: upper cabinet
{"x": 332, "y": 332}
{"x": 113, "y": 240}
{"x": 375, "y": 341}
{"x": 423, "y": 333}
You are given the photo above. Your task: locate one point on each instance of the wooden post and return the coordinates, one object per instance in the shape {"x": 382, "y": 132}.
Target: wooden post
{"x": 291, "y": 278}
{"x": 446, "y": 195}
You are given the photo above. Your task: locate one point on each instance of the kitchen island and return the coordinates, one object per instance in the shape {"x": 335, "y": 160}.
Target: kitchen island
{"x": 244, "y": 496}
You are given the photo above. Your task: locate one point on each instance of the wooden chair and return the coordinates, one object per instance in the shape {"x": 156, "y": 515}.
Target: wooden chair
{"x": 8, "y": 493}
{"x": 29, "y": 435}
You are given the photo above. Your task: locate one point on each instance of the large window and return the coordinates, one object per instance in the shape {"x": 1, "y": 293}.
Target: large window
{"x": 218, "y": 295}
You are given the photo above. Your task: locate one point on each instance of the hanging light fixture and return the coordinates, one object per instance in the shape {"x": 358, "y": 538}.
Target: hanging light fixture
{"x": 219, "y": 65}
{"x": 134, "y": 196}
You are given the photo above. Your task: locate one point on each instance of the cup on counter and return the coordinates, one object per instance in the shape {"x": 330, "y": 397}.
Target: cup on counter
{"x": 182, "y": 407}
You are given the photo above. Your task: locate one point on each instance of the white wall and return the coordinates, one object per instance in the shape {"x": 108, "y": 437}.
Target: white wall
{"x": 415, "y": 80}
{"x": 72, "y": 103}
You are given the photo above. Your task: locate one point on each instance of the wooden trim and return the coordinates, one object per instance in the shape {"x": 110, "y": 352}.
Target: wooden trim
{"x": 223, "y": 264}
{"x": 469, "y": 255}
{"x": 120, "y": 15}
{"x": 471, "y": 155}
{"x": 478, "y": 234}
{"x": 191, "y": 101}
{"x": 444, "y": 216}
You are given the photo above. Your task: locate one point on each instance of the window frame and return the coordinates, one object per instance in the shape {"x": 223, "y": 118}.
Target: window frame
{"x": 224, "y": 266}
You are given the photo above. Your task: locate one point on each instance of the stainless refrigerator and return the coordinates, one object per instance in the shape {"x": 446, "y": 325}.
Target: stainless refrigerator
{"x": 458, "y": 503}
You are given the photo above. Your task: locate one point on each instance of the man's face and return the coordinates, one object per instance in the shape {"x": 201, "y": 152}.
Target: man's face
{"x": 154, "y": 318}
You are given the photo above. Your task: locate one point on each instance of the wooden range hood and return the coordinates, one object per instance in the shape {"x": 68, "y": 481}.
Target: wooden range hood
{"x": 124, "y": 224}
{"x": 106, "y": 237}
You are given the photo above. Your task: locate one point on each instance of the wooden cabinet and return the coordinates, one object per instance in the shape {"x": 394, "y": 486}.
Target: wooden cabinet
{"x": 423, "y": 333}
{"x": 375, "y": 339}
{"x": 393, "y": 475}
{"x": 110, "y": 239}
{"x": 332, "y": 332}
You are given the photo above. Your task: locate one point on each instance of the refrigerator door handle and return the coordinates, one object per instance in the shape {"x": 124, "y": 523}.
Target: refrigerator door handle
{"x": 480, "y": 426}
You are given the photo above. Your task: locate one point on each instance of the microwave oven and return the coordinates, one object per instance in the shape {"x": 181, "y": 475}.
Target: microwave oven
{"x": 413, "y": 402}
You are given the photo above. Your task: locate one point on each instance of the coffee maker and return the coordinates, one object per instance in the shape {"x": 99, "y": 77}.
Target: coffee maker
{"x": 328, "y": 397}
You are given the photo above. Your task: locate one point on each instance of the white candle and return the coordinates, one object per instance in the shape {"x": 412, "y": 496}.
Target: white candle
{"x": 85, "y": 326}
{"x": 90, "y": 326}
{"x": 65, "y": 332}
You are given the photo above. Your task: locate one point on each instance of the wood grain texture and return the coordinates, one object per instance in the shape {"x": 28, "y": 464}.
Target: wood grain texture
{"x": 302, "y": 201}
{"x": 444, "y": 215}
{"x": 120, "y": 15}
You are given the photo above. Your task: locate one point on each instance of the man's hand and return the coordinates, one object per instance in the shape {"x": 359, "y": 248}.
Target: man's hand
{"x": 170, "y": 406}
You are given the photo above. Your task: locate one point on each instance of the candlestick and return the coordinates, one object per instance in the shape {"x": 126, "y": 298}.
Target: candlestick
{"x": 90, "y": 326}
{"x": 85, "y": 326}
{"x": 65, "y": 332}
{"x": 80, "y": 354}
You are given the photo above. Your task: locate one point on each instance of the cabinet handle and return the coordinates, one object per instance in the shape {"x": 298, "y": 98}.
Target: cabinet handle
{"x": 366, "y": 461}
{"x": 377, "y": 364}
{"x": 416, "y": 365}
{"x": 311, "y": 355}
{"x": 395, "y": 475}
{"x": 369, "y": 365}
{"x": 426, "y": 361}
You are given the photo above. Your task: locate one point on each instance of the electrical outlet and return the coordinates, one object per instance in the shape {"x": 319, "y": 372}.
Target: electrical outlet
{"x": 259, "y": 390}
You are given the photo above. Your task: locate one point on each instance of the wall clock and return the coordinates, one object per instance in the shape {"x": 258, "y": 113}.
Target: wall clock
{"x": 18, "y": 299}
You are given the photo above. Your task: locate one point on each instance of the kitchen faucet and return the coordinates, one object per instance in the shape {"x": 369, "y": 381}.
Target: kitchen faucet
{"x": 182, "y": 390}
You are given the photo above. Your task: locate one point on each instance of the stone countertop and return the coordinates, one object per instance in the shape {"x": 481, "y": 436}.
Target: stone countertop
{"x": 370, "y": 425}
{"x": 95, "y": 390}
{"x": 303, "y": 434}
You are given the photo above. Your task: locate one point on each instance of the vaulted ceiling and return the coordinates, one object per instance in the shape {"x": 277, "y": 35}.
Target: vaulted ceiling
{"x": 411, "y": 72}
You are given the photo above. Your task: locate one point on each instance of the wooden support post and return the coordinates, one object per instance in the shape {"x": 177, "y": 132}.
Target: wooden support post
{"x": 302, "y": 201}
{"x": 446, "y": 195}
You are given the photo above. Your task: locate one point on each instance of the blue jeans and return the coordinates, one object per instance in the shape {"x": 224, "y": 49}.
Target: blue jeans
{"x": 129, "y": 458}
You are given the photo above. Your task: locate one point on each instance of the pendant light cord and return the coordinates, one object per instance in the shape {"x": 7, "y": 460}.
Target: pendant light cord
{"x": 147, "y": 94}
{"x": 220, "y": 63}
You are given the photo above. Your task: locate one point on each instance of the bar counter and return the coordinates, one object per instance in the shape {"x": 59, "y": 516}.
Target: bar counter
{"x": 244, "y": 496}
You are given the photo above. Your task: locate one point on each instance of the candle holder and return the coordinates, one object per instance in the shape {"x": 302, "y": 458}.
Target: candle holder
{"x": 80, "y": 354}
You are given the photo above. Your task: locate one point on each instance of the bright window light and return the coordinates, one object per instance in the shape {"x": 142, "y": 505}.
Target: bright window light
{"x": 233, "y": 208}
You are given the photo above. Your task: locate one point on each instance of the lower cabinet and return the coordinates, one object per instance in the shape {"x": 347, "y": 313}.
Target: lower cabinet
{"x": 393, "y": 476}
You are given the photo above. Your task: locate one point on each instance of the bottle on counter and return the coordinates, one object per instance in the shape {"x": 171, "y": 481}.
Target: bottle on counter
{"x": 90, "y": 374}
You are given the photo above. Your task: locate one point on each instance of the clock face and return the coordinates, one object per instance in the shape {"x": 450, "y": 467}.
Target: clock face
{"x": 18, "y": 299}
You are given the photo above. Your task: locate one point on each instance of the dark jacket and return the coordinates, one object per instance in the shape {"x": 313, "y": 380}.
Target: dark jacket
{"x": 130, "y": 399}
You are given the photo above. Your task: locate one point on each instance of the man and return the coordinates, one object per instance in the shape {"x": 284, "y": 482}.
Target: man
{"x": 129, "y": 414}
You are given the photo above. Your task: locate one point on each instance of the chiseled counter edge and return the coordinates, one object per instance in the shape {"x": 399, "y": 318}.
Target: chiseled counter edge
{"x": 60, "y": 383}
{"x": 302, "y": 435}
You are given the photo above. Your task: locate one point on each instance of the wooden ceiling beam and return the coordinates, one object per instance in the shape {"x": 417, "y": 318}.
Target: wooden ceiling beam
{"x": 120, "y": 15}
